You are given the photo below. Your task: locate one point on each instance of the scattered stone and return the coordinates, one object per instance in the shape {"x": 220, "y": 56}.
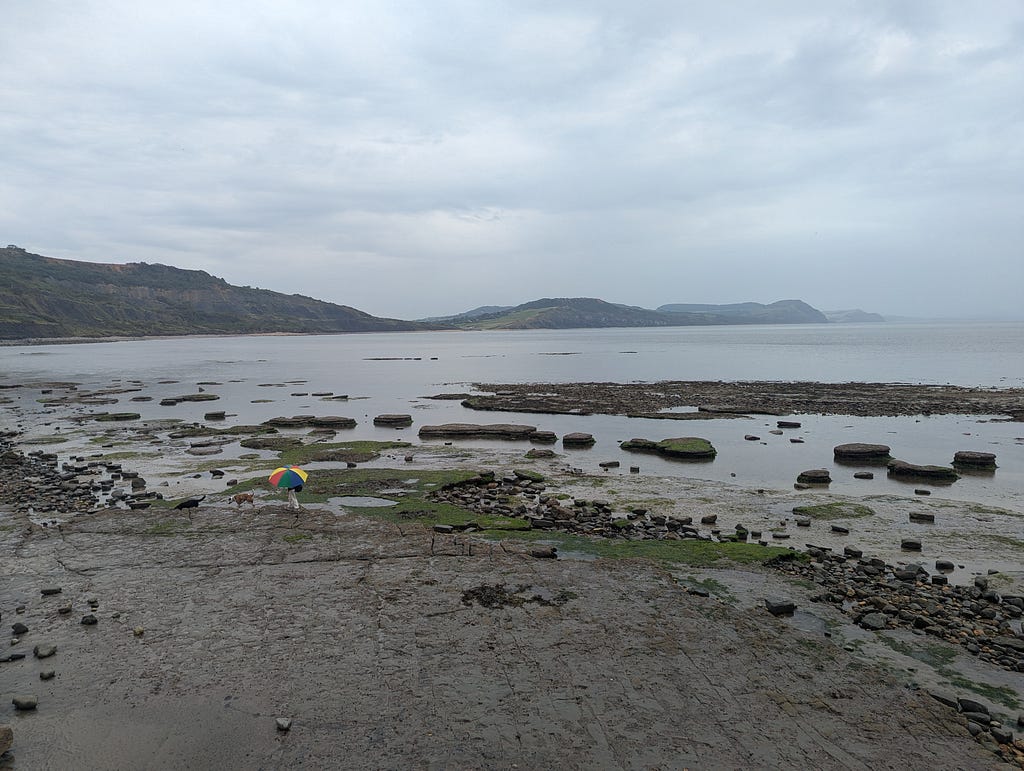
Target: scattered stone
{"x": 393, "y": 420}
{"x": 139, "y": 631}
{"x": 780, "y": 607}
{"x": 539, "y": 452}
{"x": 475, "y": 431}
{"x": 89, "y": 620}
{"x": 64, "y": 609}
{"x": 578, "y": 439}
{"x": 910, "y": 544}
{"x": 861, "y": 451}
{"x": 47, "y": 591}
{"x": 19, "y": 628}
{"x": 47, "y": 674}
{"x": 814, "y": 476}
{"x": 975, "y": 460}
{"x": 683, "y": 447}
{"x": 25, "y": 702}
{"x": 609, "y": 464}
{"x": 6, "y": 738}
{"x": 922, "y": 491}
{"x": 546, "y": 552}
{"x": 44, "y": 651}
{"x": 284, "y": 723}
{"x": 864, "y": 475}
{"x": 840, "y": 530}
{"x": 796, "y": 440}
{"x": 874, "y": 621}
{"x": 900, "y": 468}
{"x": 752, "y": 438}
{"x": 970, "y": 705}
{"x": 921, "y": 516}
{"x": 787, "y": 424}
{"x": 444, "y": 529}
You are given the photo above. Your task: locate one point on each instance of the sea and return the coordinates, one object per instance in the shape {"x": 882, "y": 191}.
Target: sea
{"x": 263, "y": 376}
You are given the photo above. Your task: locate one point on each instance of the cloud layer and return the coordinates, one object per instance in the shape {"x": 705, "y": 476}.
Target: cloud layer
{"x": 413, "y": 159}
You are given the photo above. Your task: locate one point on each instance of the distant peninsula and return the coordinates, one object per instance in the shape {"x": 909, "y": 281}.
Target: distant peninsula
{"x": 53, "y": 299}
{"x": 588, "y": 312}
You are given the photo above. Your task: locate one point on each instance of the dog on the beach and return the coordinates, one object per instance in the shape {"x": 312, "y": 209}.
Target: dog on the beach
{"x": 243, "y": 498}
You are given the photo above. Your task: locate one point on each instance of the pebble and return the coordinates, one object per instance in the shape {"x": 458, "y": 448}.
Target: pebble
{"x": 46, "y": 591}
{"x": 284, "y": 723}
{"x": 47, "y": 674}
{"x": 89, "y": 620}
{"x": 19, "y": 628}
{"x": 25, "y": 702}
{"x": 44, "y": 651}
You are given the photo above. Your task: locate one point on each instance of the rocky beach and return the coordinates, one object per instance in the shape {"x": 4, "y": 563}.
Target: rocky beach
{"x": 435, "y": 604}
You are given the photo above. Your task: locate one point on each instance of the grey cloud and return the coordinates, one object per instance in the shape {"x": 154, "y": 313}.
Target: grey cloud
{"x": 463, "y": 154}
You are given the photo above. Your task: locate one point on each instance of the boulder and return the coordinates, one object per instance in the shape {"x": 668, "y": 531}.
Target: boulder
{"x": 814, "y": 476}
{"x": 393, "y": 420}
{"x": 900, "y": 468}
{"x": 874, "y": 621}
{"x": 977, "y": 460}
{"x": 682, "y": 448}
{"x": 780, "y": 607}
{"x": 537, "y": 452}
{"x": 577, "y": 439}
{"x": 861, "y": 451}
{"x": 543, "y": 437}
{"x": 25, "y": 701}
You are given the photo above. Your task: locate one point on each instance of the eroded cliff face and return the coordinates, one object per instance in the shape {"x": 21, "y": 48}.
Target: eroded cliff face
{"x": 45, "y": 297}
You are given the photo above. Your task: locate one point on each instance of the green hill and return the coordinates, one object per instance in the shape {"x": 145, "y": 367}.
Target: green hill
{"x": 583, "y": 312}
{"x": 43, "y": 297}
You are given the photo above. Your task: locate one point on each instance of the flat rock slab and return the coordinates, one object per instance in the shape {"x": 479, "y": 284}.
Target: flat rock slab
{"x": 814, "y": 476}
{"x": 974, "y": 459}
{"x": 900, "y": 468}
{"x": 861, "y": 451}
{"x": 393, "y": 420}
{"x": 433, "y": 667}
{"x": 478, "y": 431}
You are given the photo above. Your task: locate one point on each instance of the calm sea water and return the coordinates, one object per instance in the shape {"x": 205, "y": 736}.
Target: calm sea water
{"x": 392, "y": 372}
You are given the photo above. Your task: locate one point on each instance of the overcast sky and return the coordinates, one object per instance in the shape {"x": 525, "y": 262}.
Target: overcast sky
{"x": 423, "y": 158}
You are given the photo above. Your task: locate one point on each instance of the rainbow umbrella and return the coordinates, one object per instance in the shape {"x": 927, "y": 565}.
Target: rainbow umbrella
{"x": 288, "y": 476}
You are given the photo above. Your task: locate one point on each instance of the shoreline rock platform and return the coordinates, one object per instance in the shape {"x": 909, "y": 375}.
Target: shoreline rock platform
{"x": 481, "y": 655}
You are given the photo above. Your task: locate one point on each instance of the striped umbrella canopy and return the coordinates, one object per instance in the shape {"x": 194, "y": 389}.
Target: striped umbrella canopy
{"x": 288, "y": 476}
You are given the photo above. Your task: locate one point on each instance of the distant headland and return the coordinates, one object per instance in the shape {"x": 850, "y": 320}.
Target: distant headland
{"x": 45, "y": 298}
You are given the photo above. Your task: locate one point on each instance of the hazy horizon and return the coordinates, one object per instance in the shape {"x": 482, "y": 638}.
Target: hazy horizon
{"x": 413, "y": 160}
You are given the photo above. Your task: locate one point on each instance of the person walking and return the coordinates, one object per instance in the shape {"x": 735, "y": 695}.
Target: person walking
{"x": 293, "y": 500}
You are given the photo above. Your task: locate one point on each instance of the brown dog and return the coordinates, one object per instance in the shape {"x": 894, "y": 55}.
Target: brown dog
{"x": 243, "y": 498}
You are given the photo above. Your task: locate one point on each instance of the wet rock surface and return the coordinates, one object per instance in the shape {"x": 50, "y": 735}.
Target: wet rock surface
{"x": 881, "y": 596}
{"x": 476, "y": 431}
{"x": 732, "y": 399}
{"x": 379, "y": 611}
